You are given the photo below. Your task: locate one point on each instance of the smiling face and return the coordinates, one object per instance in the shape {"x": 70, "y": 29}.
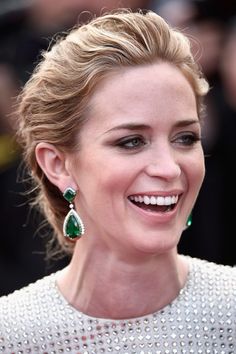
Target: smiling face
{"x": 141, "y": 165}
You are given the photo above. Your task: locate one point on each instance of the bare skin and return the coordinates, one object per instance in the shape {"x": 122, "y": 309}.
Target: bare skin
{"x": 119, "y": 290}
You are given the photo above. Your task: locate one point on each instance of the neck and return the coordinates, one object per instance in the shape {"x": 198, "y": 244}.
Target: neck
{"x": 106, "y": 286}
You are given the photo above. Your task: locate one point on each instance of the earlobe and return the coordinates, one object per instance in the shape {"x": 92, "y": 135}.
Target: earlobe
{"x": 52, "y": 162}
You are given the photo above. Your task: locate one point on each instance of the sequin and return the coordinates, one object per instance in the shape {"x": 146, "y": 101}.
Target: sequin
{"x": 201, "y": 320}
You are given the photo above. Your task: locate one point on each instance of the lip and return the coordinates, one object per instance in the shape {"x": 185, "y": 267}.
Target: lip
{"x": 158, "y": 217}
{"x": 160, "y": 193}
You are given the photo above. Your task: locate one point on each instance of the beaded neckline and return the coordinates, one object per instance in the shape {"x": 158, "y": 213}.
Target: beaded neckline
{"x": 166, "y": 308}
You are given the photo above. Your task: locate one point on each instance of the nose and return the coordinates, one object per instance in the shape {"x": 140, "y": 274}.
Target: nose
{"x": 163, "y": 163}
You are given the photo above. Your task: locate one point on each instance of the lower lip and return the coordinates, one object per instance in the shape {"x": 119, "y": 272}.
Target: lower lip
{"x": 160, "y": 217}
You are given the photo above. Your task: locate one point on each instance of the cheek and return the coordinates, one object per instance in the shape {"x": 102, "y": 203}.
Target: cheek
{"x": 106, "y": 175}
{"x": 117, "y": 177}
{"x": 196, "y": 173}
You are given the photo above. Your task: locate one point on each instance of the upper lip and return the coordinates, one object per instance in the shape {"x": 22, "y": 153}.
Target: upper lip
{"x": 158, "y": 194}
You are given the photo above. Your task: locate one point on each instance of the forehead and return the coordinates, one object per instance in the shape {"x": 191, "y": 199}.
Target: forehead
{"x": 158, "y": 77}
{"x": 141, "y": 92}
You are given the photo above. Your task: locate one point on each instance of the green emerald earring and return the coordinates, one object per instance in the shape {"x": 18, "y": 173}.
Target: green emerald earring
{"x": 73, "y": 226}
{"x": 189, "y": 221}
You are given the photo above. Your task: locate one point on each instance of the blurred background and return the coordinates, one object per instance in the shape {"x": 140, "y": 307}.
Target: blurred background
{"x": 26, "y": 28}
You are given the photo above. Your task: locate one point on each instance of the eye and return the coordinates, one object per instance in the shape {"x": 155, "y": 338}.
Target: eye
{"x": 131, "y": 142}
{"x": 187, "y": 139}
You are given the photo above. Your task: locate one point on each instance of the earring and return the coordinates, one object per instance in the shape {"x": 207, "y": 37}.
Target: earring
{"x": 73, "y": 226}
{"x": 189, "y": 221}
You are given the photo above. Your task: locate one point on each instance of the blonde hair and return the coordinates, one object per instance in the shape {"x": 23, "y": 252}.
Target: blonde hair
{"x": 54, "y": 102}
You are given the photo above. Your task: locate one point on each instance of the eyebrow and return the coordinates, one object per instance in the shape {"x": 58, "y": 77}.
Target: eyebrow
{"x": 129, "y": 126}
{"x": 135, "y": 126}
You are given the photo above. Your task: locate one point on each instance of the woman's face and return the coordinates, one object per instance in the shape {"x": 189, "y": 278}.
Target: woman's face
{"x": 141, "y": 164}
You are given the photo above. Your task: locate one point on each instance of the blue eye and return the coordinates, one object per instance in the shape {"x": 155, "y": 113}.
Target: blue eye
{"x": 131, "y": 142}
{"x": 187, "y": 139}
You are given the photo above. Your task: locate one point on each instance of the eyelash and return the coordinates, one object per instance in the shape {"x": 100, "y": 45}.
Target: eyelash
{"x": 137, "y": 142}
{"x": 187, "y": 139}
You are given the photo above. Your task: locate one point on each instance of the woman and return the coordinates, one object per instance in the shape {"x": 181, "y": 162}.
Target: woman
{"x": 111, "y": 128}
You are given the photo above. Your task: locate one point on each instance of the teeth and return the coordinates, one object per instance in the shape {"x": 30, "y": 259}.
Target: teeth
{"x": 155, "y": 200}
{"x": 146, "y": 200}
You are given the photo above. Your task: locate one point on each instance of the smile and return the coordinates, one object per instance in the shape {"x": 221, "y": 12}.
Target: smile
{"x": 155, "y": 203}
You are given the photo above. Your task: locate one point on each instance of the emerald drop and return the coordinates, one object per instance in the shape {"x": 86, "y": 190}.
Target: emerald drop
{"x": 189, "y": 221}
{"x": 73, "y": 226}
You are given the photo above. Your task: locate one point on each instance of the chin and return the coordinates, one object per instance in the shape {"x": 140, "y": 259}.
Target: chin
{"x": 157, "y": 245}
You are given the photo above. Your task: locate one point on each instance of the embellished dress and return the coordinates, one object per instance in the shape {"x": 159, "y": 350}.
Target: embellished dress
{"x": 201, "y": 320}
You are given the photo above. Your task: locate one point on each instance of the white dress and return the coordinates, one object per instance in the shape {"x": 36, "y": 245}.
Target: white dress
{"x": 201, "y": 320}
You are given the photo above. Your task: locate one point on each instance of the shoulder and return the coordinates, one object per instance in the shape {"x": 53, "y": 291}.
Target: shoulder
{"x": 22, "y": 311}
{"x": 213, "y": 280}
{"x": 212, "y": 270}
{"x": 31, "y": 295}
{"x": 209, "y": 297}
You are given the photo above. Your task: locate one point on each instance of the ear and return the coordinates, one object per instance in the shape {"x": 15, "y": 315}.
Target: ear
{"x": 53, "y": 163}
